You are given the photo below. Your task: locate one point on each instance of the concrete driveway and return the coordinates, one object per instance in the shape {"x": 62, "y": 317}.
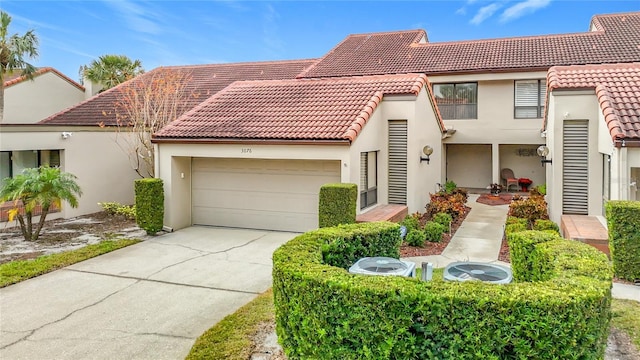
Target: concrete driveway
{"x": 147, "y": 301}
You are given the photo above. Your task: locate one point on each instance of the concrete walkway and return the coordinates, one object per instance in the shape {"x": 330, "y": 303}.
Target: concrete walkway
{"x": 479, "y": 239}
{"x": 147, "y": 301}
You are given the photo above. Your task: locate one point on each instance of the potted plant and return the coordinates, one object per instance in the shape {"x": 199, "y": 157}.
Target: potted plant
{"x": 495, "y": 188}
{"x": 524, "y": 183}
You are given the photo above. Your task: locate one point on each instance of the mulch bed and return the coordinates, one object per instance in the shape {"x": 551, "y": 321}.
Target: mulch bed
{"x": 433, "y": 248}
{"x": 500, "y": 199}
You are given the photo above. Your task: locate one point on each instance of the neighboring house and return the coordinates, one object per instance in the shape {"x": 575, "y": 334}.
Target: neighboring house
{"x": 593, "y": 135}
{"x": 27, "y": 101}
{"x": 253, "y": 146}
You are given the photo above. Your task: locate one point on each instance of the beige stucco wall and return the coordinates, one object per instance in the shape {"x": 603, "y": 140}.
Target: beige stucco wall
{"x": 574, "y": 105}
{"x": 495, "y": 125}
{"x": 28, "y": 102}
{"x": 102, "y": 168}
{"x": 422, "y": 128}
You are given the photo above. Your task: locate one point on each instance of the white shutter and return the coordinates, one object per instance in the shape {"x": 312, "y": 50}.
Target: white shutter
{"x": 527, "y": 93}
{"x": 575, "y": 173}
{"x": 543, "y": 92}
{"x": 363, "y": 172}
{"x": 398, "y": 162}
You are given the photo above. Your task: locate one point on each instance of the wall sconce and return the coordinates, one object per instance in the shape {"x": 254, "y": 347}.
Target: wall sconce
{"x": 543, "y": 151}
{"x": 66, "y": 134}
{"x": 427, "y": 150}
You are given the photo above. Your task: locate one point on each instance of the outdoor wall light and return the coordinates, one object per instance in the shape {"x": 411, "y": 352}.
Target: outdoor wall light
{"x": 427, "y": 150}
{"x": 543, "y": 151}
{"x": 66, "y": 134}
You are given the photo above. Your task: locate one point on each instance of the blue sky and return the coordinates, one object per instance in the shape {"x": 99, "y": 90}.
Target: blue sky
{"x": 73, "y": 33}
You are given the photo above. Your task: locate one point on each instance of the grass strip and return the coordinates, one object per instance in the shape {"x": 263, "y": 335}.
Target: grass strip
{"x": 625, "y": 316}
{"x": 231, "y": 338}
{"x": 16, "y": 271}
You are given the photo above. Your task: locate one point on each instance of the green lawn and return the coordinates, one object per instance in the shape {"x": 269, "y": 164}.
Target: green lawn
{"x": 16, "y": 271}
{"x": 231, "y": 338}
{"x": 626, "y": 317}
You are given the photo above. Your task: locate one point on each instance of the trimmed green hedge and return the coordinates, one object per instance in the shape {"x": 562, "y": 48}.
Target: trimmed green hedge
{"x": 323, "y": 312}
{"x": 623, "y": 221}
{"x": 149, "y": 205}
{"x": 337, "y": 204}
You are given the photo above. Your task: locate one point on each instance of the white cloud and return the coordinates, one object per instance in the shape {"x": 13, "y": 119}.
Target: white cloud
{"x": 139, "y": 18}
{"x": 523, "y": 8}
{"x": 461, "y": 11}
{"x": 270, "y": 36}
{"x": 484, "y": 13}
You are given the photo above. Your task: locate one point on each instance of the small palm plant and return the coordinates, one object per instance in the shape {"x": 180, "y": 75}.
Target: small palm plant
{"x": 44, "y": 186}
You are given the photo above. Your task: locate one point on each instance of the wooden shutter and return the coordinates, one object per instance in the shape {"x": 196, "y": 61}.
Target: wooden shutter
{"x": 398, "y": 162}
{"x": 575, "y": 169}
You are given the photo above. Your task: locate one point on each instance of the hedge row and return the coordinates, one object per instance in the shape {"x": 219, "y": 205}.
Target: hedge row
{"x": 623, "y": 220}
{"x": 323, "y": 312}
{"x": 149, "y": 204}
{"x": 337, "y": 204}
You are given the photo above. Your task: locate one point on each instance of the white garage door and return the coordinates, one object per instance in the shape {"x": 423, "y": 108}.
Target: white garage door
{"x": 259, "y": 194}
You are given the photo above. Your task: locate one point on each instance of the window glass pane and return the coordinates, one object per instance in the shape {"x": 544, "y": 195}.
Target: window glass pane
{"x": 543, "y": 92}
{"x": 527, "y": 112}
{"x": 5, "y": 164}
{"x": 54, "y": 158}
{"x": 372, "y": 170}
{"x": 23, "y": 160}
{"x": 363, "y": 172}
{"x": 527, "y": 93}
{"x": 457, "y": 101}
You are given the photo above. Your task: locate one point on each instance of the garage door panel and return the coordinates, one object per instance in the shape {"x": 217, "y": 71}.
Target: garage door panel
{"x": 256, "y": 201}
{"x": 261, "y": 194}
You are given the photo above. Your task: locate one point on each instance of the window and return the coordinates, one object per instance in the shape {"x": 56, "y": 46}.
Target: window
{"x": 457, "y": 101}
{"x": 529, "y": 98}
{"x": 368, "y": 179}
{"x": 13, "y": 162}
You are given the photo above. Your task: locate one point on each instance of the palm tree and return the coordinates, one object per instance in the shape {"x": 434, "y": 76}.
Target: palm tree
{"x": 111, "y": 70}
{"x": 13, "y": 50}
{"x": 44, "y": 186}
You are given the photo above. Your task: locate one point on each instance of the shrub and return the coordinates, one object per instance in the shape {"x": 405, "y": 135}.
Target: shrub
{"x": 463, "y": 194}
{"x": 545, "y": 225}
{"x": 516, "y": 220}
{"x": 452, "y": 204}
{"x": 540, "y": 189}
{"x": 623, "y": 220}
{"x": 323, "y": 312}
{"x": 416, "y": 238}
{"x": 337, "y": 204}
{"x": 450, "y": 186}
{"x": 444, "y": 219}
{"x": 348, "y": 243}
{"x": 434, "y": 231}
{"x": 515, "y": 227}
{"x": 114, "y": 208}
{"x": 521, "y": 245}
{"x": 411, "y": 222}
{"x": 531, "y": 208}
{"x": 149, "y": 204}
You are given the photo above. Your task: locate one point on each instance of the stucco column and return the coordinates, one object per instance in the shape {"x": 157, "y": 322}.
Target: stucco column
{"x": 495, "y": 163}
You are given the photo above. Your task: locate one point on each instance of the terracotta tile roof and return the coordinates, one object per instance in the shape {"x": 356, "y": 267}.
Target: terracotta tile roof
{"x": 616, "y": 39}
{"x": 304, "y": 109}
{"x": 16, "y": 77}
{"x": 205, "y": 80}
{"x": 617, "y": 87}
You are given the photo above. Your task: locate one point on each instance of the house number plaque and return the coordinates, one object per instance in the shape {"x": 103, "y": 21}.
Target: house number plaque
{"x": 245, "y": 150}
